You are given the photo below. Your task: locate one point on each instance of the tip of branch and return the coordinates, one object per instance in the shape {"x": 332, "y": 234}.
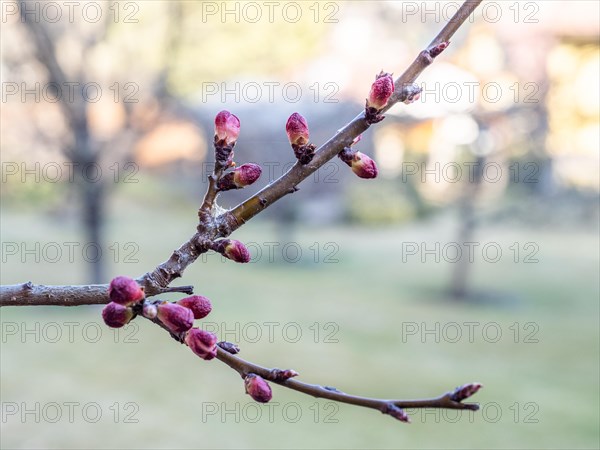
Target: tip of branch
{"x": 465, "y": 391}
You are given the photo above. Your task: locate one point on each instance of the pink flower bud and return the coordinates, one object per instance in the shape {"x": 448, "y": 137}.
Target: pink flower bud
{"x": 176, "y": 318}
{"x": 202, "y": 343}
{"x": 125, "y": 291}
{"x": 149, "y": 311}
{"x": 363, "y": 166}
{"x": 297, "y": 129}
{"x": 258, "y": 388}
{"x": 242, "y": 176}
{"x": 227, "y": 127}
{"x": 246, "y": 174}
{"x": 381, "y": 91}
{"x": 116, "y": 315}
{"x": 199, "y": 305}
{"x": 234, "y": 250}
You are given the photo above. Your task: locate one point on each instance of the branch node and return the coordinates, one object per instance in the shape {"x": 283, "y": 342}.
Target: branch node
{"x": 229, "y": 347}
{"x": 396, "y": 412}
{"x": 279, "y": 375}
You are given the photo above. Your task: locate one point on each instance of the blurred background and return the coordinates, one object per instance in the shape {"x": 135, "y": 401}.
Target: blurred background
{"x": 472, "y": 257}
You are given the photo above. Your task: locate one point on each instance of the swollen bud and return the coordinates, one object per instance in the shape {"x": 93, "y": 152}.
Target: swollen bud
{"x": 125, "y": 291}
{"x": 227, "y": 128}
{"x": 200, "y": 306}
{"x": 241, "y": 177}
{"x": 381, "y": 91}
{"x": 258, "y": 388}
{"x": 175, "y": 317}
{"x": 361, "y": 164}
{"x": 232, "y": 249}
{"x": 116, "y": 315}
{"x": 298, "y": 135}
{"x": 297, "y": 129}
{"x": 202, "y": 343}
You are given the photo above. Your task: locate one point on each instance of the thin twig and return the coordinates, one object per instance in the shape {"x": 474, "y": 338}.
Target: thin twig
{"x": 245, "y": 367}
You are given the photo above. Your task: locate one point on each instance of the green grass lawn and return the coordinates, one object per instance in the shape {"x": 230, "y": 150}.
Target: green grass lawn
{"x": 372, "y": 323}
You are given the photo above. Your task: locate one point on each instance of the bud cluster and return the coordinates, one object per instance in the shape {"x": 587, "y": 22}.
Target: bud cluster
{"x": 128, "y": 301}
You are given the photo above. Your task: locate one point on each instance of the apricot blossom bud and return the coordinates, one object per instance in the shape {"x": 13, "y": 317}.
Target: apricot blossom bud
{"x": 125, "y": 291}
{"x": 361, "y": 164}
{"x": 234, "y": 250}
{"x": 116, "y": 315}
{"x": 202, "y": 343}
{"x": 258, "y": 388}
{"x": 227, "y": 128}
{"x": 381, "y": 91}
{"x": 176, "y": 318}
{"x": 297, "y": 129}
{"x": 241, "y": 177}
{"x": 200, "y": 306}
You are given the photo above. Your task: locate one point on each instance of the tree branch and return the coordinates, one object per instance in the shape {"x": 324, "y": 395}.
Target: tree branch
{"x": 287, "y": 183}
{"x": 449, "y": 400}
{"x": 210, "y": 228}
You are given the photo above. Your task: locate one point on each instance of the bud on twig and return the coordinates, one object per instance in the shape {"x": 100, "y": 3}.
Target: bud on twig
{"x": 176, "y": 318}
{"x": 397, "y": 413}
{"x": 298, "y": 135}
{"x": 411, "y": 92}
{"x": 116, "y": 315}
{"x": 149, "y": 311}
{"x": 232, "y": 249}
{"x": 200, "y": 306}
{"x": 435, "y": 51}
{"x": 227, "y": 130}
{"x": 283, "y": 374}
{"x": 241, "y": 177}
{"x": 229, "y": 347}
{"x": 465, "y": 391}
{"x": 361, "y": 164}
{"x": 202, "y": 343}
{"x": 258, "y": 388}
{"x": 125, "y": 291}
{"x": 381, "y": 91}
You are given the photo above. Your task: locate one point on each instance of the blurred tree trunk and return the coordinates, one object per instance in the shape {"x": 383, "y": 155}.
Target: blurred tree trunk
{"x": 83, "y": 151}
{"x": 462, "y": 268}
{"x": 93, "y": 218}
